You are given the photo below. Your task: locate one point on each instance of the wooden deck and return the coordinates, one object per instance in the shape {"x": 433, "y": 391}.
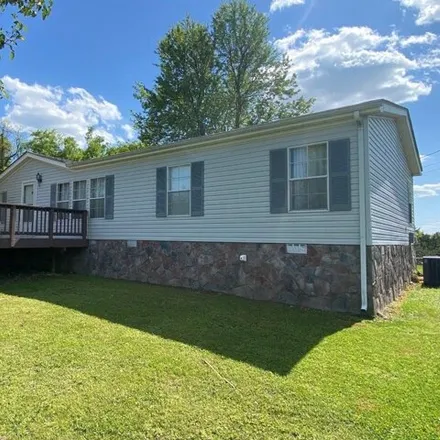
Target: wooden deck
{"x": 39, "y": 227}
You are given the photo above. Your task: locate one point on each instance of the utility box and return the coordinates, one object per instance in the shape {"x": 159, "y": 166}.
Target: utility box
{"x": 431, "y": 271}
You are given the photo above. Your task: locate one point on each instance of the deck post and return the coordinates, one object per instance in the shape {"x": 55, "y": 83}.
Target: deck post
{"x": 50, "y": 228}
{"x": 12, "y": 220}
{"x": 84, "y": 225}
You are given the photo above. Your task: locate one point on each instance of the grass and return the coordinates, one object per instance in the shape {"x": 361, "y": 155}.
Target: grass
{"x": 86, "y": 358}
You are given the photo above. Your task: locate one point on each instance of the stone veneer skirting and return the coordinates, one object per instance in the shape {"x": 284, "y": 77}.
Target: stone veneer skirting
{"x": 389, "y": 272}
{"x": 328, "y": 277}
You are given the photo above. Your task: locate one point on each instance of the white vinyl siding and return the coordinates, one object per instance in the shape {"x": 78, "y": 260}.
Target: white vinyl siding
{"x": 391, "y": 184}
{"x": 236, "y": 191}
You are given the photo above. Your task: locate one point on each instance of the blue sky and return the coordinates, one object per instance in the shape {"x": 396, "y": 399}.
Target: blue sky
{"x": 78, "y": 67}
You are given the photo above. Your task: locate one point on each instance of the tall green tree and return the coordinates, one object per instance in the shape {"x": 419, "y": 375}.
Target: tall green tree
{"x": 124, "y": 148}
{"x": 219, "y": 79}
{"x": 427, "y": 244}
{"x": 11, "y": 144}
{"x": 45, "y": 142}
{"x": 96, "y": 145}
{"x": 181, "y": 103}
{"x": 71, "y": 149}
{"x": 53, "y": 144}
{"x": 16, "y": 10}
{"x": 255, "y": 76}
{"x": 5, "y": 149}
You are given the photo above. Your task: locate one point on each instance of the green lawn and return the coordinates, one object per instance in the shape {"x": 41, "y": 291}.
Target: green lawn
{"x": 85, "y": 358}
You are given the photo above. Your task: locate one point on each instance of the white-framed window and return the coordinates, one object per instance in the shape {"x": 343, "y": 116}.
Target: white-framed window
{"x": 63, "y": 195}
{"x": 97, "y": 197}
{"x": 179, "y": 190}
{"x": 79, "y": 195}
{"x": 308, "y": 177}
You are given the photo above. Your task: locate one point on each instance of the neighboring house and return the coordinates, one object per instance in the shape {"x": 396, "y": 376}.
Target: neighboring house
{"x": 315, "y": 210}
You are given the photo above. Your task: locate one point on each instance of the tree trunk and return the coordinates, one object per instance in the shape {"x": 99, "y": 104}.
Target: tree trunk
{"x": 202, "y": 129}
{"x": 238, "y": 110}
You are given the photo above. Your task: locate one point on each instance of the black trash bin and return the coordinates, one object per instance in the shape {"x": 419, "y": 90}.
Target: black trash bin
{"x": 431, "y": 271}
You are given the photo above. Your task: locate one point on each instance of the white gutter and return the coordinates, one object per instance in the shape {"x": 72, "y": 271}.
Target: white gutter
{"x": 362, "y": 211}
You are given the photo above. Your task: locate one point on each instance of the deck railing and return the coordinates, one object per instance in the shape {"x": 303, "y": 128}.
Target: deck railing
{"x": 22, "y": 221}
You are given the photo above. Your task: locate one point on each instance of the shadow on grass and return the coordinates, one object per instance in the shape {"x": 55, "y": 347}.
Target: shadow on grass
{"x": 270, "y": 336}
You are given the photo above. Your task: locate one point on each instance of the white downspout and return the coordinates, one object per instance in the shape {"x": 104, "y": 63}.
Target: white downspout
{"x": 362, "y": 212}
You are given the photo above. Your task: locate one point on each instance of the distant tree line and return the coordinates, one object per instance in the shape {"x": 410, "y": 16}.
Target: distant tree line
{"x": 427, "y": 244}
{"x": 13, "y": 143}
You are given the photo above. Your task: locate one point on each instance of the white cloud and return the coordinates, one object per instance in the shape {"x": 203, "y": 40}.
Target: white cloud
{"x": 71, "y": 111}
{"x": 427, "y": 38}
{"x": 431, "y": 60}
{"x": 108, "y": 137}
{"x": 277, "y": 5}
{"x": 427, "y": 190}
{"x": 428, "y": 11}
{"x": 129, "y": 131}
{"x": 353, "y": 64}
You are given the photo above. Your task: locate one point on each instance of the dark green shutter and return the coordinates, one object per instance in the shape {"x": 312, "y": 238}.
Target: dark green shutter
{"x": 197, "y": 189}
{"x": 4, "y": 199}
{"x": 161, "y": 192}
{"x": 278, "y": 181}
{"x": 339, "y": 175}
{"x": 53, "y": 195}
{"x": 109, "y": 197}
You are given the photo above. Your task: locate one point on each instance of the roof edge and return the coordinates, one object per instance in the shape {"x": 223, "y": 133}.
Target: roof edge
{"x": 369, "y": 107}
{"x": 28, "y": 155}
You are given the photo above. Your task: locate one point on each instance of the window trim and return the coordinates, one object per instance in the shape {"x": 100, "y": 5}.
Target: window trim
{"x": 95, "y": 198}
{"x": 63, "y": 201}
{"x": 189, "y": 191}
{"x": 290, "y": 179}
{"x": 73, "y": 192}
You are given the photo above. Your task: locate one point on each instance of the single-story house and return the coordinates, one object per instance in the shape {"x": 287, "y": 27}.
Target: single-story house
{"x": 314, "y": 211}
